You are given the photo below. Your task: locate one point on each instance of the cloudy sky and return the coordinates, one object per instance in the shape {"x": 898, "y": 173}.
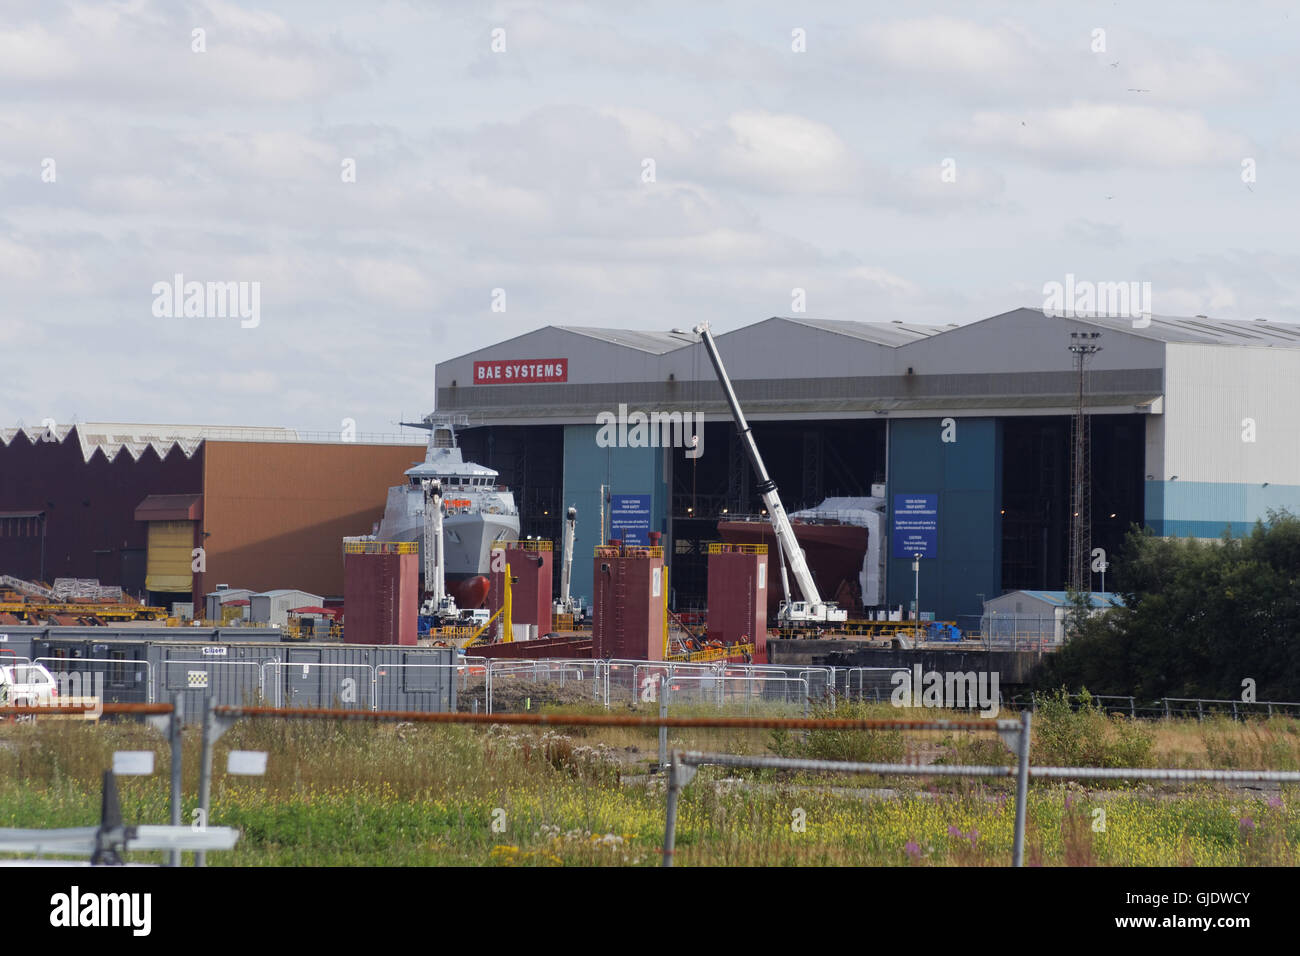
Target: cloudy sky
{"x": 929, "y": 162}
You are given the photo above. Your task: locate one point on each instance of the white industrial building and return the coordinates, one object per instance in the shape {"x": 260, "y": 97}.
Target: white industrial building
{"x": 1035, "y": 616}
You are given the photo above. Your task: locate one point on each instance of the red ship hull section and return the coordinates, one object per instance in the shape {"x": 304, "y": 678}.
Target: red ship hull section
{"x": 834, "y": 553}
{"x": 469, "y": 591}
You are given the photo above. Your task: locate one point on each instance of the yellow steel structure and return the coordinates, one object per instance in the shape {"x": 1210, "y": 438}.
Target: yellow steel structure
{"x": 502, "y": 612}
{"x": 381, "y": 547}
{"x": 871, "y": 630}
{"x": 665, "y": 627}
{"x": 506, "y": 607}
{"x": 722, "y": 547}
{"x": 107, "y": 612}
{"x": 605, "y": 551}
{"x": 535, "y": 544}
{"x": 715, "y": 653}
{"x": 453, "y": 631}
{"x": 294, "y": 631}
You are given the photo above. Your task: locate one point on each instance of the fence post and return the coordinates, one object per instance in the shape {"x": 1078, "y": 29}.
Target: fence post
{"x": 1166, "y": 700}
{"x": 1200, "y": 710}
{"x": 1132, "y": 708}
{"x": 678, "y": 776}
{"x": 663, "y": 728}
{"x": 1022, "y": 791}
{"x": 205, "y": 775}
{"x": 1234, "y": 710}
{"x": 178, "y": 713}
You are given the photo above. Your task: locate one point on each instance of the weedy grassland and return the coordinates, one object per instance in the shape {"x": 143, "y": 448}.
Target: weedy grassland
{"x": 347, "y": 793}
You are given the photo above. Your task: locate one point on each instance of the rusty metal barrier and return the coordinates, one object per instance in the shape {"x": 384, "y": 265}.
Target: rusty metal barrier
{"x": 607, "y": 720}
{"x": 145, "y": 710}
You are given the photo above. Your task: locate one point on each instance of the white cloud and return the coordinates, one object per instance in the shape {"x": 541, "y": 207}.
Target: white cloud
{"x": 786, "y": 153}
{"x": 32, "y": 54}
{"x": 950, "y": 46}
{"x": 134, "y": 55}
{"x": 774, "y": 170}
{"x": 1106, "y": 134}
{"x": 1089, "y": 232}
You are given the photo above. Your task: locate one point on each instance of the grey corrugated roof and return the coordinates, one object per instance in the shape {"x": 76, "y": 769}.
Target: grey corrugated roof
{"x": 656, "y": 343}
{"x": 881, "y": 333}
{"x": 1164, "y": 328}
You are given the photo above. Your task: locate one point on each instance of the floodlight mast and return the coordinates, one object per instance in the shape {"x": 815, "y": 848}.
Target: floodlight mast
{"x": 812, "y": 608}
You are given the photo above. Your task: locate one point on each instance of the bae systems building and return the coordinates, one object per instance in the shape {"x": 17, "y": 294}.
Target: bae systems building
{"x": 960, "y": 434}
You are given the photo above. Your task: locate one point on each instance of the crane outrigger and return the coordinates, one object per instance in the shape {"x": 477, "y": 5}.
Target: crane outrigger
{"x": 812, "y": 609}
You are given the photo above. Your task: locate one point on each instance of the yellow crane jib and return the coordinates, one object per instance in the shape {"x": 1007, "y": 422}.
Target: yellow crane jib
{"x": 502, "y": 612}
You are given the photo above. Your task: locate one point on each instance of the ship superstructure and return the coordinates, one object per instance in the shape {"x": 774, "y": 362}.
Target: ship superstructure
{"x": 477, "y": 510}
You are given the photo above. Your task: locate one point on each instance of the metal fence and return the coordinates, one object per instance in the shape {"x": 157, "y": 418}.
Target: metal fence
{"x": 124, "y": 680}
{"x": 514, "y": 686}
{"x": 318, "y": 684}
{"x": 683, "y": 766}
{"x": 246, "y": 674}
{"x": 1016, "y": 632}
{"x": 1171, "y": 707}
{"x": 404, "y": 679}
{"x": 510, "y": 686}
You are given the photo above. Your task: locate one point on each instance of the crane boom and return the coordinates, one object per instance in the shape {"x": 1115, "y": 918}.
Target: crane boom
{"x": 439, "y": 604}
{"x": 814, "y": 609}
{"x": 566, "y": 572}
{"x": 434, "y": 581}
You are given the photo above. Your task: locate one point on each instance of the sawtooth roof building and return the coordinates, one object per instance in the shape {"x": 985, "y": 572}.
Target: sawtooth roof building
{"x": 129, "y": 504}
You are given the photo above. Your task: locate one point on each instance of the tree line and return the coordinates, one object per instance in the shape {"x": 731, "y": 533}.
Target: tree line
{"x": 1214, "y": 619}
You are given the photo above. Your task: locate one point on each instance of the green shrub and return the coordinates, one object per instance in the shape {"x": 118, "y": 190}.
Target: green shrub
{"x": 859, "y": 746}
{"x": 1085, "y": 736}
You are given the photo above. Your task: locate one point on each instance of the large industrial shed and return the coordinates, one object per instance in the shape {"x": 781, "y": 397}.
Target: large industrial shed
{"x": 128, "y": 504}
{"x": 1194, "y": 425}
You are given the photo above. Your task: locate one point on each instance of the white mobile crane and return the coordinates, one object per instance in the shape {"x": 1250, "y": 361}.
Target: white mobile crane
{"x": 566, "y": 604}
{"x": 439, "y": 603}
{"x": 812, "y": 609}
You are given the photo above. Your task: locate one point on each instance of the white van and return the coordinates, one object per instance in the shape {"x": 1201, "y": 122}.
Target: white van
{"x": 27, "y": 685}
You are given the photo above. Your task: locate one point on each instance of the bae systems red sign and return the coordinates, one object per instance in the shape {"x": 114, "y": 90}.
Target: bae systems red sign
{"x": 521, "y": 372}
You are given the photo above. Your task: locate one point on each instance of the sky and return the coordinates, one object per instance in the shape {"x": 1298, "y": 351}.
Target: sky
{"x": 399, "y": 183}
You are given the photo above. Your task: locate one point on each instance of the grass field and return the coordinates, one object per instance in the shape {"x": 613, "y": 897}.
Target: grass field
{"x": 363, "y": 794}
